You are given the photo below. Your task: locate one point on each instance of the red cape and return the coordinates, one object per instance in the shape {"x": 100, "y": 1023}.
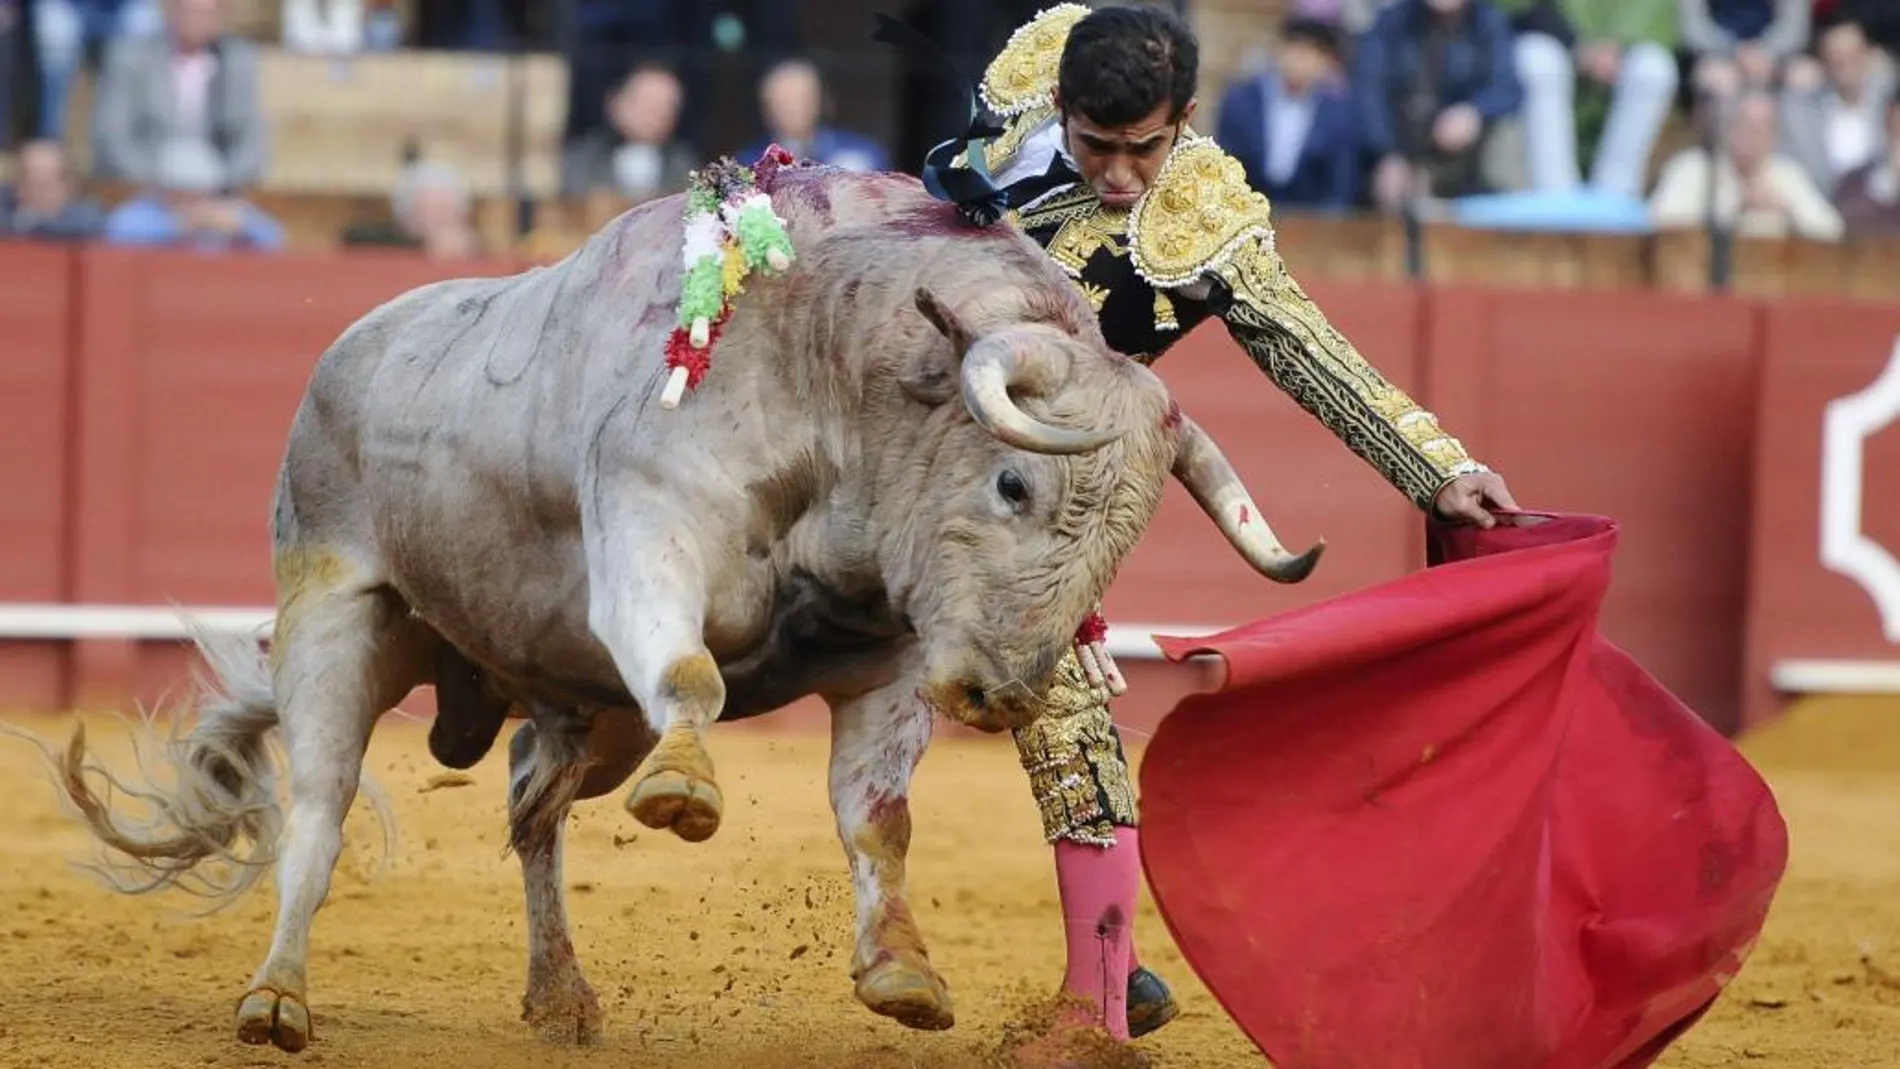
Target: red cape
{"x": 1442, "y": 824}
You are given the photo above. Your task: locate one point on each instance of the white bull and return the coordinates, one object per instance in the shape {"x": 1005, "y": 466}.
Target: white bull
{"x": 912, "y": 470}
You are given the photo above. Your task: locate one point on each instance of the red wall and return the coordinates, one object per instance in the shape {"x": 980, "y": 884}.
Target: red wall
{"x": 38, "y": 316}
{"x": 145, "y": 397}
{"x": 1816, "y": 352}
{"x": 1635, "y": 406}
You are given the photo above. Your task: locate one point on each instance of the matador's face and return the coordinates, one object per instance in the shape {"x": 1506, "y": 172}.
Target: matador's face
{"x": 1120, "y": 162}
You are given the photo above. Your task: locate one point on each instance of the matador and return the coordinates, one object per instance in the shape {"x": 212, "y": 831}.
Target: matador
{"x": 1083, "y": 142}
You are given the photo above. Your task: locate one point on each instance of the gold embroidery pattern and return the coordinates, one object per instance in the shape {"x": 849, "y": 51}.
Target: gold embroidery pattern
{"x": 1024, "y": 73}
{"x": 1076, "y": 767}
{"x": 1085, "y": 234}
{"x": 1078, "y": 202}
{"x": 1198, "y": 213}
{"x": 1097, "y": 295}
{"x": 1164, "y": 312}
{"x": 1290, "y": 339}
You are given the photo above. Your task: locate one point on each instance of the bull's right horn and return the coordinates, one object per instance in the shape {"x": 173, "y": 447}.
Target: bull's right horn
{"x": 990, "y": 368}
{"x": 1199, "y": 465}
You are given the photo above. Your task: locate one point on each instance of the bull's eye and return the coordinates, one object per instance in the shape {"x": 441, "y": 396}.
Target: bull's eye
{"x": 1011, "y": 486}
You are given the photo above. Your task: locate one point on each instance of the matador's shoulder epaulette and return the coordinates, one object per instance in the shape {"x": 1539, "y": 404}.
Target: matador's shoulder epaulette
{"x": 1019, "y": 85}
{"x": 1022, "y": 77}
{"x": 1198, "y": 213}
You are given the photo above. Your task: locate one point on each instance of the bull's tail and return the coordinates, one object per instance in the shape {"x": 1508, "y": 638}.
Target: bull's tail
{"x": 214, "y": 830}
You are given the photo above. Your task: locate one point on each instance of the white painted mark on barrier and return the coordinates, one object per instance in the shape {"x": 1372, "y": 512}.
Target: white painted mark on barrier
{"x": 1845, "y": 427}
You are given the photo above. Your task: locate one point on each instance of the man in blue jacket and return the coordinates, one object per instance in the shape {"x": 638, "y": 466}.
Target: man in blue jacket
{"x": 1432, "y": 79}
{"x": 1293, "y": 127}
{"x": 792, "y": 101}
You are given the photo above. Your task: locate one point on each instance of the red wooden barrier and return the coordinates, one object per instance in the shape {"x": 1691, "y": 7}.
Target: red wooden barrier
{"x": 1819, "y": 354}
{"x": 191, "y": 368}
{"x": 1636, "y": 406}
{"x": 145, "y": 397}
{"x": 37, "y": 311}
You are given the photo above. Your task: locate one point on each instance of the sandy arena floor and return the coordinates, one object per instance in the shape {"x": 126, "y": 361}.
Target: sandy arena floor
{"x": 733, "y": 953}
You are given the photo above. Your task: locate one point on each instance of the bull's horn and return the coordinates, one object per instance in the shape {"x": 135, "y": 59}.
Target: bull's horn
{"x": 988, "y": 372}
{"x": 1199, "y": 465}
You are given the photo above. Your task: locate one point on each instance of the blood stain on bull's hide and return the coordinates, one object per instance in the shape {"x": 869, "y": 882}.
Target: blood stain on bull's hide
{"x": 809, "y": 193}
{"x": 936, "y": 219}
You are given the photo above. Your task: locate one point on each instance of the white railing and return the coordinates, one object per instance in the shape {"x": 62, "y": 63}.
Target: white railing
{"x": 66, "y": 623}
{"x": 1836, "y": 677}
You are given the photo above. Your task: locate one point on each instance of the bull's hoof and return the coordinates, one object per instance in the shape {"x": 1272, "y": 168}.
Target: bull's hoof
{"x": 269, "y": 1016}
{"x": 687, "y": 804}
{"x": 913, "y": 997}
{"x": 568, "y": 1015}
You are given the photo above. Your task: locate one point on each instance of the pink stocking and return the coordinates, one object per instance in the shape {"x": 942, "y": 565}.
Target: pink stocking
{"x": 1098, "y": 886}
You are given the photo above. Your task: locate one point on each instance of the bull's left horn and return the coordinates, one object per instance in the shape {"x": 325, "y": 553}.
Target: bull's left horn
{"x": 1211, "y": 481}
{"x": 988, "y": 372}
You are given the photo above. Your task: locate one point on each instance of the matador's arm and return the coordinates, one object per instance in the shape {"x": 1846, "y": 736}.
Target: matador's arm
{"x": 1202, "y": 228}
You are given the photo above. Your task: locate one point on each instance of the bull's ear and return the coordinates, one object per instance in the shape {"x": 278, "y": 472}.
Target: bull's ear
{"x": 947, "y": 322}
{"x": 930, "y": 376}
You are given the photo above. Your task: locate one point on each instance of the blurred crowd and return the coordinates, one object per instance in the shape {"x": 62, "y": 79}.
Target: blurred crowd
{"x": 1773, "y": 117}
{"x": 176, "y": 122}
{"x": 1551, "y": 113}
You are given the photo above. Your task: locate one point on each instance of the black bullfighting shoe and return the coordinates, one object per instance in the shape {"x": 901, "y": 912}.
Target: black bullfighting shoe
{"x": 1150, "y": 1003}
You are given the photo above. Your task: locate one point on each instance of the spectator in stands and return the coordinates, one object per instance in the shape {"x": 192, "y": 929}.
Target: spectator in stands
{"x": 1434, "y": 79}
{"x": 1624, "y": 52}
{"x": 195, "y": 82}
{"x": 639, "y": 156}
{"x": 1758, "y": 192}
{"x": 1879, "y": 18}
{"x": 1833, "y": 112}
{"x": 1869, "y": 197}
{"x": 432, "y": 210}
{"x": 600, "y": 38}
{"x": 44, "y": 201}
{"x": 341, "y": 27}
{"x": 792, "y": 100}
{"x": 63, "y": 32}
{"x": 11, "y": 14}
{"x": 434, "y": 206}
{"x": 189, "y": 205}
{"x": 1294, "y": 126}
{"x": 1740, "y": 45}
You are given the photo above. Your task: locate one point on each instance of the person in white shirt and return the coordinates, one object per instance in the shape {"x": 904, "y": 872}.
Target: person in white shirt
{"x": 1832, "y": 110}
{"x": 1758, "y": 191}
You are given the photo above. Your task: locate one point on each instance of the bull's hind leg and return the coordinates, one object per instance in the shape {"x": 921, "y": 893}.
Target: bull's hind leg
{"x": 344, "y": 651}
{"x": 876, "y": 742}
{"x": 554, "y": 760}
{"x": 544, "y": 775}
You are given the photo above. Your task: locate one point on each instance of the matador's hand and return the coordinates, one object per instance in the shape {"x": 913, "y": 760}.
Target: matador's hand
{"x": 1466, "y": 498}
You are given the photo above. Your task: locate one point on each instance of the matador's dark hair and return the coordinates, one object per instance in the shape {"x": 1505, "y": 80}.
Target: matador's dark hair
{"x": 1121, "y": 63}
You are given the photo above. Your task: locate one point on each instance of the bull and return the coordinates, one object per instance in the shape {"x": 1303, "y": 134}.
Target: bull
{"x": 910, "y": 474}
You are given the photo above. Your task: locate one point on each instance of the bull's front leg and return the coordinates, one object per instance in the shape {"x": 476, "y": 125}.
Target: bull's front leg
{"x": 647, "y": 605}
{"x": 876, "y": 742}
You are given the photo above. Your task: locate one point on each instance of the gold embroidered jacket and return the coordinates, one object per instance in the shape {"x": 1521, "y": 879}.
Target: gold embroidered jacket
{"x": 1200, "y": 243}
